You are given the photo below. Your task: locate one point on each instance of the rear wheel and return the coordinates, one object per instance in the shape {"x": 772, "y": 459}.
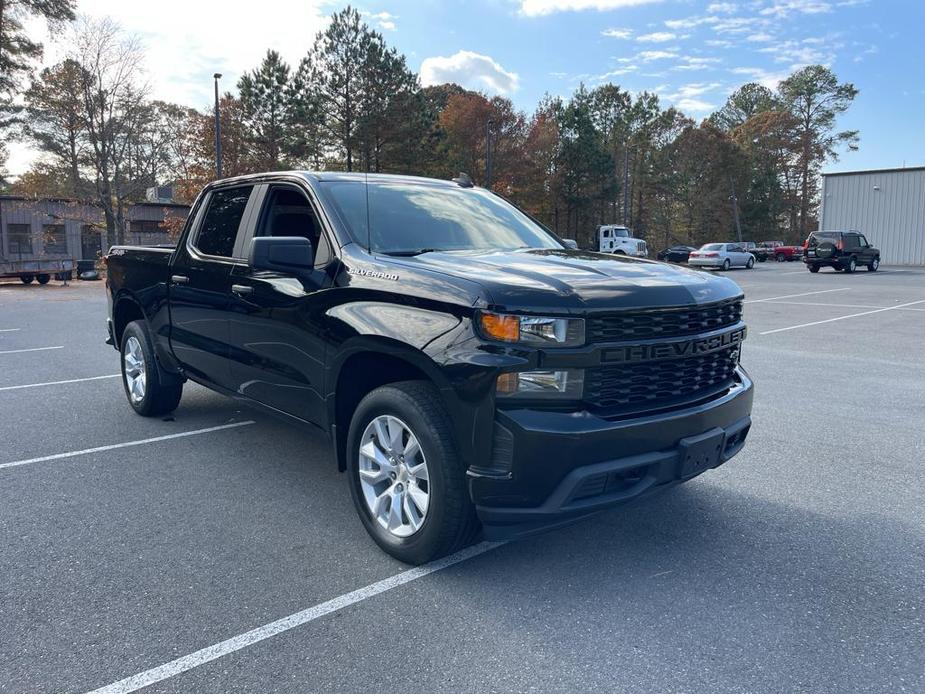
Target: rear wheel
{"x": 150, "y": 390}
{"x": 852, "y": 264}
{"x": 874, "y": 264}
{"x": 813, "y": 268}
{"x": 726, "y": 264}
{"x": 26, "y": 279}
{"x": 407, "y": 483}
{"x": 43, "y": 279}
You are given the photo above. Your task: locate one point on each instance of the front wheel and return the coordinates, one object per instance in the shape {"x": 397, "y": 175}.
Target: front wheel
{"x": 780, "y": 257}
{"x": 874, "y": 264}
{"x": 150, "y": 391}
{"x": 813, "y": 268}
{"x": 406, "y": 480}
{"x": 750, "y": 264}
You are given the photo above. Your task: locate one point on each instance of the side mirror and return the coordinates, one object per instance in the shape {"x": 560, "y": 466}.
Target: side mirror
{"x": 281, "y": 253}
{"x": 570, "y": 243}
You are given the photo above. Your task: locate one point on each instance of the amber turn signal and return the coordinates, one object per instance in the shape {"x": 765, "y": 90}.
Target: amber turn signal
{"x": 500, "y": 327}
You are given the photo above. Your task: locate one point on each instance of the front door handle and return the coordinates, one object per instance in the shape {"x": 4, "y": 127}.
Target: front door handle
{"x": 179, "y": 279}
{"x": 242, "y": 289}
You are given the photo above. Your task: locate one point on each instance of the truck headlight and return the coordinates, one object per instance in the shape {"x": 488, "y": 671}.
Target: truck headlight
{"x": 532, "y": 330}
{"x": 565, "y": 384}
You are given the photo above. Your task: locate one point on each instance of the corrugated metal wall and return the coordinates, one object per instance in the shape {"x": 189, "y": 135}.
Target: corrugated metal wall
{"x": 74, "y": 216}
{"x": 888, "y": 207}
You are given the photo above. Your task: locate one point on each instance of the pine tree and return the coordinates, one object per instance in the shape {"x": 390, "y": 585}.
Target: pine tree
{"x": 266, "y": 100}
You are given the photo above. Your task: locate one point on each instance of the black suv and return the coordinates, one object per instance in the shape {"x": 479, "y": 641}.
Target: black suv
{"x": 842, "y": 250}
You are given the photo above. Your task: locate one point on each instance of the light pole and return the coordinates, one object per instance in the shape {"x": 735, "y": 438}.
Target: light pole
{"x": 488, "y": 153}
{"x": 218, "y": 131}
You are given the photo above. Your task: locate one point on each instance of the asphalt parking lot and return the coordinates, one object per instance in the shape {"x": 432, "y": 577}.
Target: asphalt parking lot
{"x": 799, "y": 566}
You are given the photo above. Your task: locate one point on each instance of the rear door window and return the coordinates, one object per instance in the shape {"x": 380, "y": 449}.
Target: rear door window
{"x": 222, "y": 219}
{"x": 851, "y": 241}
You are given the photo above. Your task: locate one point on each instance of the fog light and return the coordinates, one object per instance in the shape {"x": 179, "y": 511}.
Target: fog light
{"x": 565, "y": 384}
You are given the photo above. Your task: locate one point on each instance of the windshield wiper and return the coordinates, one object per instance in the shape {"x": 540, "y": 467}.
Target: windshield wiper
{"x": 411, "y": 252}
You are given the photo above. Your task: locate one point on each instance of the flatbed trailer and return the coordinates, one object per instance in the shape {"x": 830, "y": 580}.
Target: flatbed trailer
{"x": 41, "y": 269}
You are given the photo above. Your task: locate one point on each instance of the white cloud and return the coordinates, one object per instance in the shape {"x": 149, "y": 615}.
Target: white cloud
{"x": 695, "y": 62}
{"x": 784, "y": 8}
{"x": 471, "y": 70}
{"x": 689, "y": 22}
{"x": 657, "y": 37}
{"x": 694, "y": 105}
{"x": 694, "y": 89}
{"x": 181, "y": 56}
{"x": 539, "y": 8}
{"x": 759, "y": 37}
{"x": 383, "y": 20}
{"x": 797, "y": 54}
{"x": 763, "y": 77}
{"x": 616, "y": 33}
{"x": 649, "y": 56}
{"x": 722, "y": 8}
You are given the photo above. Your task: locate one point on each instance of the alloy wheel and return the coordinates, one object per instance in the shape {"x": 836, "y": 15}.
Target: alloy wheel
{"x": 393, "y": 476}
{"x": 135, "y": 372}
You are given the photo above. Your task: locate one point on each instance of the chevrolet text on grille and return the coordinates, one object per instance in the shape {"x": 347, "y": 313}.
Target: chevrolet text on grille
{"x": 675, "y": 349}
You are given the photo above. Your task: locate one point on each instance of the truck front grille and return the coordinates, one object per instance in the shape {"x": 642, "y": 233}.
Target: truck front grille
{"x": 648, "y": 386}
{"x": 670, "y": 322}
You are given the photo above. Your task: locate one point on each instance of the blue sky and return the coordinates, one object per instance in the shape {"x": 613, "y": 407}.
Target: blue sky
{"x": 693, "y": 53}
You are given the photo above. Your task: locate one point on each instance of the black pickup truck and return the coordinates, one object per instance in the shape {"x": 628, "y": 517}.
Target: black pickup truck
{"x": 474, "y": 374}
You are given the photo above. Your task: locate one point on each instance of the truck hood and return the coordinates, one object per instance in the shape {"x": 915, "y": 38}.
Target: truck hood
{"x": 575, "y": 280}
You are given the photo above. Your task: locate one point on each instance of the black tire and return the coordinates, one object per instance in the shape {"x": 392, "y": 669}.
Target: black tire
{"x": 162, "y": 391}
{"x": 619, "y": 252}
{"x": 726, "y": 265}
{"x": 450, "y": 522}
{"x": 762, "y": 258}
{"x": 43, "y": 279}
{"x": 874, "y": 264}
{"x": 813, "y": 268}
{"x": 852, "y": 264}
{"x": 26, "y": 279}
{"x": 750, "y": 264}
{"x": 780, "y": 257}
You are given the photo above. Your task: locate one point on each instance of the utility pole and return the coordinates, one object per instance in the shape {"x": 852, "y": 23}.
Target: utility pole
{"x": 735, "y": 208}
{"x": 218, "y": 130}
{"x": 626, "y": 183}
{"x": 488, "y": 153}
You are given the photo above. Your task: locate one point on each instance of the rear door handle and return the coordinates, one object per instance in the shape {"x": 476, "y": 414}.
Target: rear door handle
{"x": 242, "y": 289}
{"x": 179, "y": 279}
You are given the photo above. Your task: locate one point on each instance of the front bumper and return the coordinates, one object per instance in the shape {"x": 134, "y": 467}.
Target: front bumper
{"x": 565, "y": 466}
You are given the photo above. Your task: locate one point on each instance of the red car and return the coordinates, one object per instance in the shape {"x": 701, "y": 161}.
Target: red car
{"x": 782, "y": 252}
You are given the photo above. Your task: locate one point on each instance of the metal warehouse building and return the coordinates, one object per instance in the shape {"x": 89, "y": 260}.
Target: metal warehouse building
{"x": 886, "y": 205}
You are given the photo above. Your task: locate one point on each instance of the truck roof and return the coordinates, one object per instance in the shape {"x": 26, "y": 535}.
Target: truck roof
{"x": 342, "y": 176}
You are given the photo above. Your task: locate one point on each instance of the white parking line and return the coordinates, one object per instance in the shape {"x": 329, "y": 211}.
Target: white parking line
{"x": 832, "y": 320}
{"x": 249, "y": 638}
{"x": 32, "y": 349}
{"x": 58, "y": 383}
{"x": 793, "y": 296}
{"x": 127, "y": 444}
{"x": 9, "y": 330}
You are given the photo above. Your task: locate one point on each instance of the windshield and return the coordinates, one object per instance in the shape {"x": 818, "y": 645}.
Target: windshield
{"x": 712, "y": 247}
{"x": 411, "y": 218}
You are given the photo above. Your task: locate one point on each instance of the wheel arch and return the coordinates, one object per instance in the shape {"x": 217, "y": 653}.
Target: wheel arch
{"x": 367, "y": 364}
{"x": 125, "y": 309}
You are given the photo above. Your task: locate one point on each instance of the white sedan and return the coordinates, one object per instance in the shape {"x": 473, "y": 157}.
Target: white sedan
{"x": 722, "y": 256}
